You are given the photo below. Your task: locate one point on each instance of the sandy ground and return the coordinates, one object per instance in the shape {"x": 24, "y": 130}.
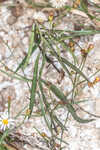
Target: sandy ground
{"x": 13, "y": 32}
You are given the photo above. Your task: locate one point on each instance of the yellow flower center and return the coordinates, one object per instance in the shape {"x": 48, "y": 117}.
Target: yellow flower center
{"x": 50, "y": 17}
{"x": 97, "y": 79}
{"x": 5, "y": 121}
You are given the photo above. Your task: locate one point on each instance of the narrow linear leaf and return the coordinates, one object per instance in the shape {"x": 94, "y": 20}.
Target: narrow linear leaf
{"x": 45, "y": 138}
{"x": 54, "y": 89}
{"x": 59, "y": 123}
{"x": 5, "y": 134}
{"x": 34, "y": 85}
{"x": 37, "y": 41}
{"x": 23, "y": 61}
{"x": 42, "y": 66}
{"x": 15, "y": 76}
{"x": 77, "y": 33}
{"x": 74, "y": 68}
{"x": 84, "y": 32}
{"x": 30, "y": 48}
{"x": 63, "y": 141}
{"x": 20, "y": 112}
{"x": 69, "y": 106}
{"x": 43, "y": 96}
{"x": 73, "y": 113}
{"x": 44, "y": 114}
{"x": 40, "y": 84}
{"x": 61, "y": 59}
{"x": 84, "y": 4}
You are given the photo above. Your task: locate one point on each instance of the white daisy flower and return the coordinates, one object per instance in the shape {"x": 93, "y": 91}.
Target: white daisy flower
{"x": 40, "y": 16}
{"x": 5, "y": 121}
{"x": 58, "y": 3}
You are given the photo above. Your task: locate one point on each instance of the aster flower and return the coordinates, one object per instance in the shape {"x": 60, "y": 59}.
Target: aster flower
{"x": 5, "y": 121}
{"x": 58, "y": 3}
{"x": 40, "y": 16}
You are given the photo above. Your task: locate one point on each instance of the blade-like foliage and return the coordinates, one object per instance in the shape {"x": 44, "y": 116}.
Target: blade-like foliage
{"x": 74, "y": 68}
{"x": 34, "y": 85}
{"x": 69, "y": 106}
{"x": 24, "y": 60}
{"x": 33, "y": 40}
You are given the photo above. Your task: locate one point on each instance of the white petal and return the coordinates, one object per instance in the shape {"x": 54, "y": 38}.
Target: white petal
{"x": 2, "y": 127}
{"x": 8, "y": 125}
{"x": 58, "y": 3}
